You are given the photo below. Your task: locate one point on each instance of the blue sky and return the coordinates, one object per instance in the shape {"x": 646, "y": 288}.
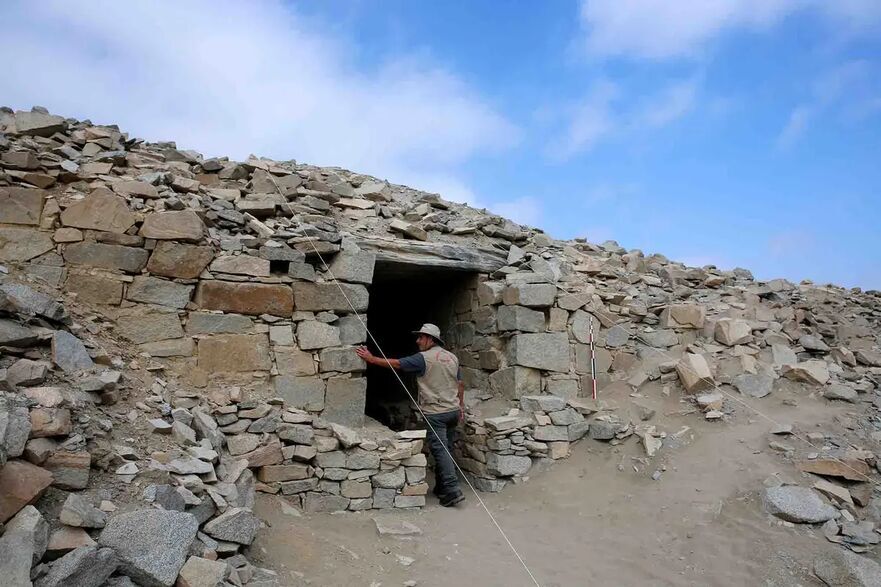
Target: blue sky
{"x": 732, "y": 132}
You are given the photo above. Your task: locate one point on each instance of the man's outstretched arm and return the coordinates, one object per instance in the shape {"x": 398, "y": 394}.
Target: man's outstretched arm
{"x": 370, "y": 359}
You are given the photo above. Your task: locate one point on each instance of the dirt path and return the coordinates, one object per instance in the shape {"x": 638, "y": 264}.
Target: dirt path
{"x": 589, "y": 520}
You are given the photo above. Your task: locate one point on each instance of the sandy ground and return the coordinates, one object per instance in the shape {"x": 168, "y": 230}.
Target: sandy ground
{"x": 591, "y": 519}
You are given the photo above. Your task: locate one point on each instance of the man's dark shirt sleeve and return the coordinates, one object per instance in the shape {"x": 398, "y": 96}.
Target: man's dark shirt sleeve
{"x": 414, "y": 363}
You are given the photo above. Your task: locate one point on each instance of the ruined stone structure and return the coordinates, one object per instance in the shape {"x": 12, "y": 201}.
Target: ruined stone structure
{"x": 246, "y": 286}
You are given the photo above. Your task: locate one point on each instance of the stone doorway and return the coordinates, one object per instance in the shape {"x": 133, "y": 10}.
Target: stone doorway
{"x": 402, "y": 298}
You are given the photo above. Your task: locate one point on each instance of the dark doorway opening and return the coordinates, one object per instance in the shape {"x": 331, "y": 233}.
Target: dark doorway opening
{"x": 402, "y": 298}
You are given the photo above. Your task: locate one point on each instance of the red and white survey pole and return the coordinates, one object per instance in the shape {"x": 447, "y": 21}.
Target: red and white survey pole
{"x": 593, "y": 360}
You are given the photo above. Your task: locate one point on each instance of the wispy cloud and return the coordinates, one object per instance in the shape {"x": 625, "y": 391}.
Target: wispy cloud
{"x": 791, "y": 242}
{"x": 850, "y": 89}
{"x": 609, "y": 111}
{"x": 231, "y": 78}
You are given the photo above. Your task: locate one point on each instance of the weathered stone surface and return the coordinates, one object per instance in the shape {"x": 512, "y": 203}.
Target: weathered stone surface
{"x": 840, "y": 392}
{"x": 138, "y": 189}
{"x": 78, "y": 512}
{"x": 813, "y": 343}
{"x": 27, "y": 372}
{"x": 50, "y": 422}
{"x": 23, "y": 244}
{"x": 684, "y": 316}
{"x": 275, "y": 473}
{"x": 813, "y": 372}
{"x": 94, "y": 289}
{"x": 22, "y": 545}
{"x": 507, "y": 465}
{"x": 152, "y": 290}
{"x": 14, "y": 334}
{"x": 345, "y": 400}
{"x": 184, "y": 225}
{"x": 69, "y": 353}
{"x": 541, "y": 403}
{"x": 86, "y": 566}
{"x": 659, "y": 339}
{"x": 580, "y": 323}
{"x": 293, "y": 361}
{"x": 753, "y": 385}
{"x": 730, "y": 331}
{"x": 342, "y": 360}
{"x": 38, "y": 124}
{"x": 69, "y": 469}
{"x": 305, "y": 393}
{"x": 842, "y": 568}
{"x": 241, "y": 265}
{"x": 65, "y": 539}
{"x": 21, "y": 205}
{"x": 533, "y": 295}
{"x": 317, "y": 335}
{"x": 317, "y": 297}
{"x": 101, "y": 210}
{"x": 234, "y": 352}
{"x": 152, "y": 544}
{"x": 617, "y": 336}
{"x": 26, "y": 300}
{"x": 316, "y": 503}
{"x": 353, "y": 267}
{"x": 797, "y": 504}
{"x": 180, "y": 347}
{"x": 235, "y": 525}
{"x": 513, "y": 382}
{"x": 352, "y": 329}
{"x": 549, "y": 352}
{"x": 171, "y": 259}
{"x": 15, "y": 427}
{"x": 21, "y": 483}
{"x": 863, "y": 356}
{"x": 245, "y": 298}
{"x": 209, "y": 323}
{"x": 127, "y": 259}
{"x": 850, "y": 469}
{"x": 520, "y": 318}
{"x": 143, "y": 327}
{"x": 694, "y": 373}
{"x": 550, "y": 433}
{"x": 202, "y": 572}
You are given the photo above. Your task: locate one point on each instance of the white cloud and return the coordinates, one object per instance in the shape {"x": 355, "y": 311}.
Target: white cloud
{"x": 230, "y": 78}
{"x": 670, "y": 104}
{"x": 660, "y": 29}
{"x": 525, "y": 210}
{"x": 588, "y": 122}
{"x": 795, "y": 127}
{"x": 668, "y": 29}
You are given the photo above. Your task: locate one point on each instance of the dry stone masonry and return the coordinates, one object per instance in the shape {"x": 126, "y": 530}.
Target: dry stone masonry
{"x": 179, "y": 333}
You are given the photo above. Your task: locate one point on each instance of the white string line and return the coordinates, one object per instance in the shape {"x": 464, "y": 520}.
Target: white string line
{"x": 716, "y": 386}
{"x": 415, "y": 403}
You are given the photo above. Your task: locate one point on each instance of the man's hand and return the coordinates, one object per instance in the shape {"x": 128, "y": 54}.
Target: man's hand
{"x": 364, "y": 353}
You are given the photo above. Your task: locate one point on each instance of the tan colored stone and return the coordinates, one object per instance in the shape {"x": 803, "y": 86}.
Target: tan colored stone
{"x": 268, "y": 454}
{"x": 21, "y": 483}
{"x": 241, "y": 265}
{"x": 293, "y": 361}
{"x": 730, "y": 332}
{"x": 684, "y": 316}
{"x": 184, "y": 225}
{"x": 101, "y": 210}
{"x": 316, "y": 297}
{"x": 274, "y": 473}
{"x": 94, "y": 288}
{"x": 139, "y": 189}
{"x": 70, "y": 469}
{"x": 128, "y": 259}
{"x": 21, "y": 205}
{"x": 171, "y": 259}
{"x": 23, "y": 244}
{"x": 67, "y": 538}
{"x": 47, "y": 422}
{"x": 245, "y": 298}
{"x": 694, "y": 373}
{"x": 234, "y": 352}
{"x": 850, "y": 469}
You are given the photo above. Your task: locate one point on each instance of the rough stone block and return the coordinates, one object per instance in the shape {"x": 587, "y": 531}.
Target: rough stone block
{"x": 305, "y": 393}
{"x": 520, "y": 318}
{"x": 142, "y": 327}
{"x": 184, "y": 225}
{"x": 345, "y": 400}
{"x": 171, "y": 259}
{"x": 245, "y": 298}
{"x": 208, "y": 323}
{"x": 21, "y": 483}
{"x": 21, "y": 205}
{"x": 317, "y": 335}
{"x": 354, "y": 267}
{"x": 507, "y": 465}
{"x": 533, "y": 295}
{"x": 549, "y": 352}
{"x": 128, "y": 259}
{"x": 514, "y": 382}
{"x": 152, "y": 290}
{"x": 342, "y": 360}
{"x": 234, "y": 352}
{"x": 317, "y": 297}
{"x": 101, "y": 210}
{"x": 694, "y": 373}
{"x": 23, "y": 244}
{"x": 94, "y": 289}
{"x": 293, "y": 361}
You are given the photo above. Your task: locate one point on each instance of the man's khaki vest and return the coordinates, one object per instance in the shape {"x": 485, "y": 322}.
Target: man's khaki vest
{"x": 438, "y": 388}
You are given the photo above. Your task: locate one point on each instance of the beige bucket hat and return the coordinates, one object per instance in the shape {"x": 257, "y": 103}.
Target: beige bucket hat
{"x": 431, "y": 330}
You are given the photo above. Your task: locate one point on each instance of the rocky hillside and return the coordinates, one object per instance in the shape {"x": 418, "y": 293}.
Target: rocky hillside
{"x": 177, "y": 334}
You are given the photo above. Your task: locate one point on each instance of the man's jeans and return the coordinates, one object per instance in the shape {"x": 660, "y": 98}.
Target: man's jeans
{"x": 444, "y": 424}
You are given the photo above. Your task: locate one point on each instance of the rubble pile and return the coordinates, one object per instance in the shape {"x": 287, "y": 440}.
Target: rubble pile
{"x": 237, "y": 292}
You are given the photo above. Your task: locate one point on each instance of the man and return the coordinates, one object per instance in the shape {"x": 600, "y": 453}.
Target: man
{"x": 441, "y": 398}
